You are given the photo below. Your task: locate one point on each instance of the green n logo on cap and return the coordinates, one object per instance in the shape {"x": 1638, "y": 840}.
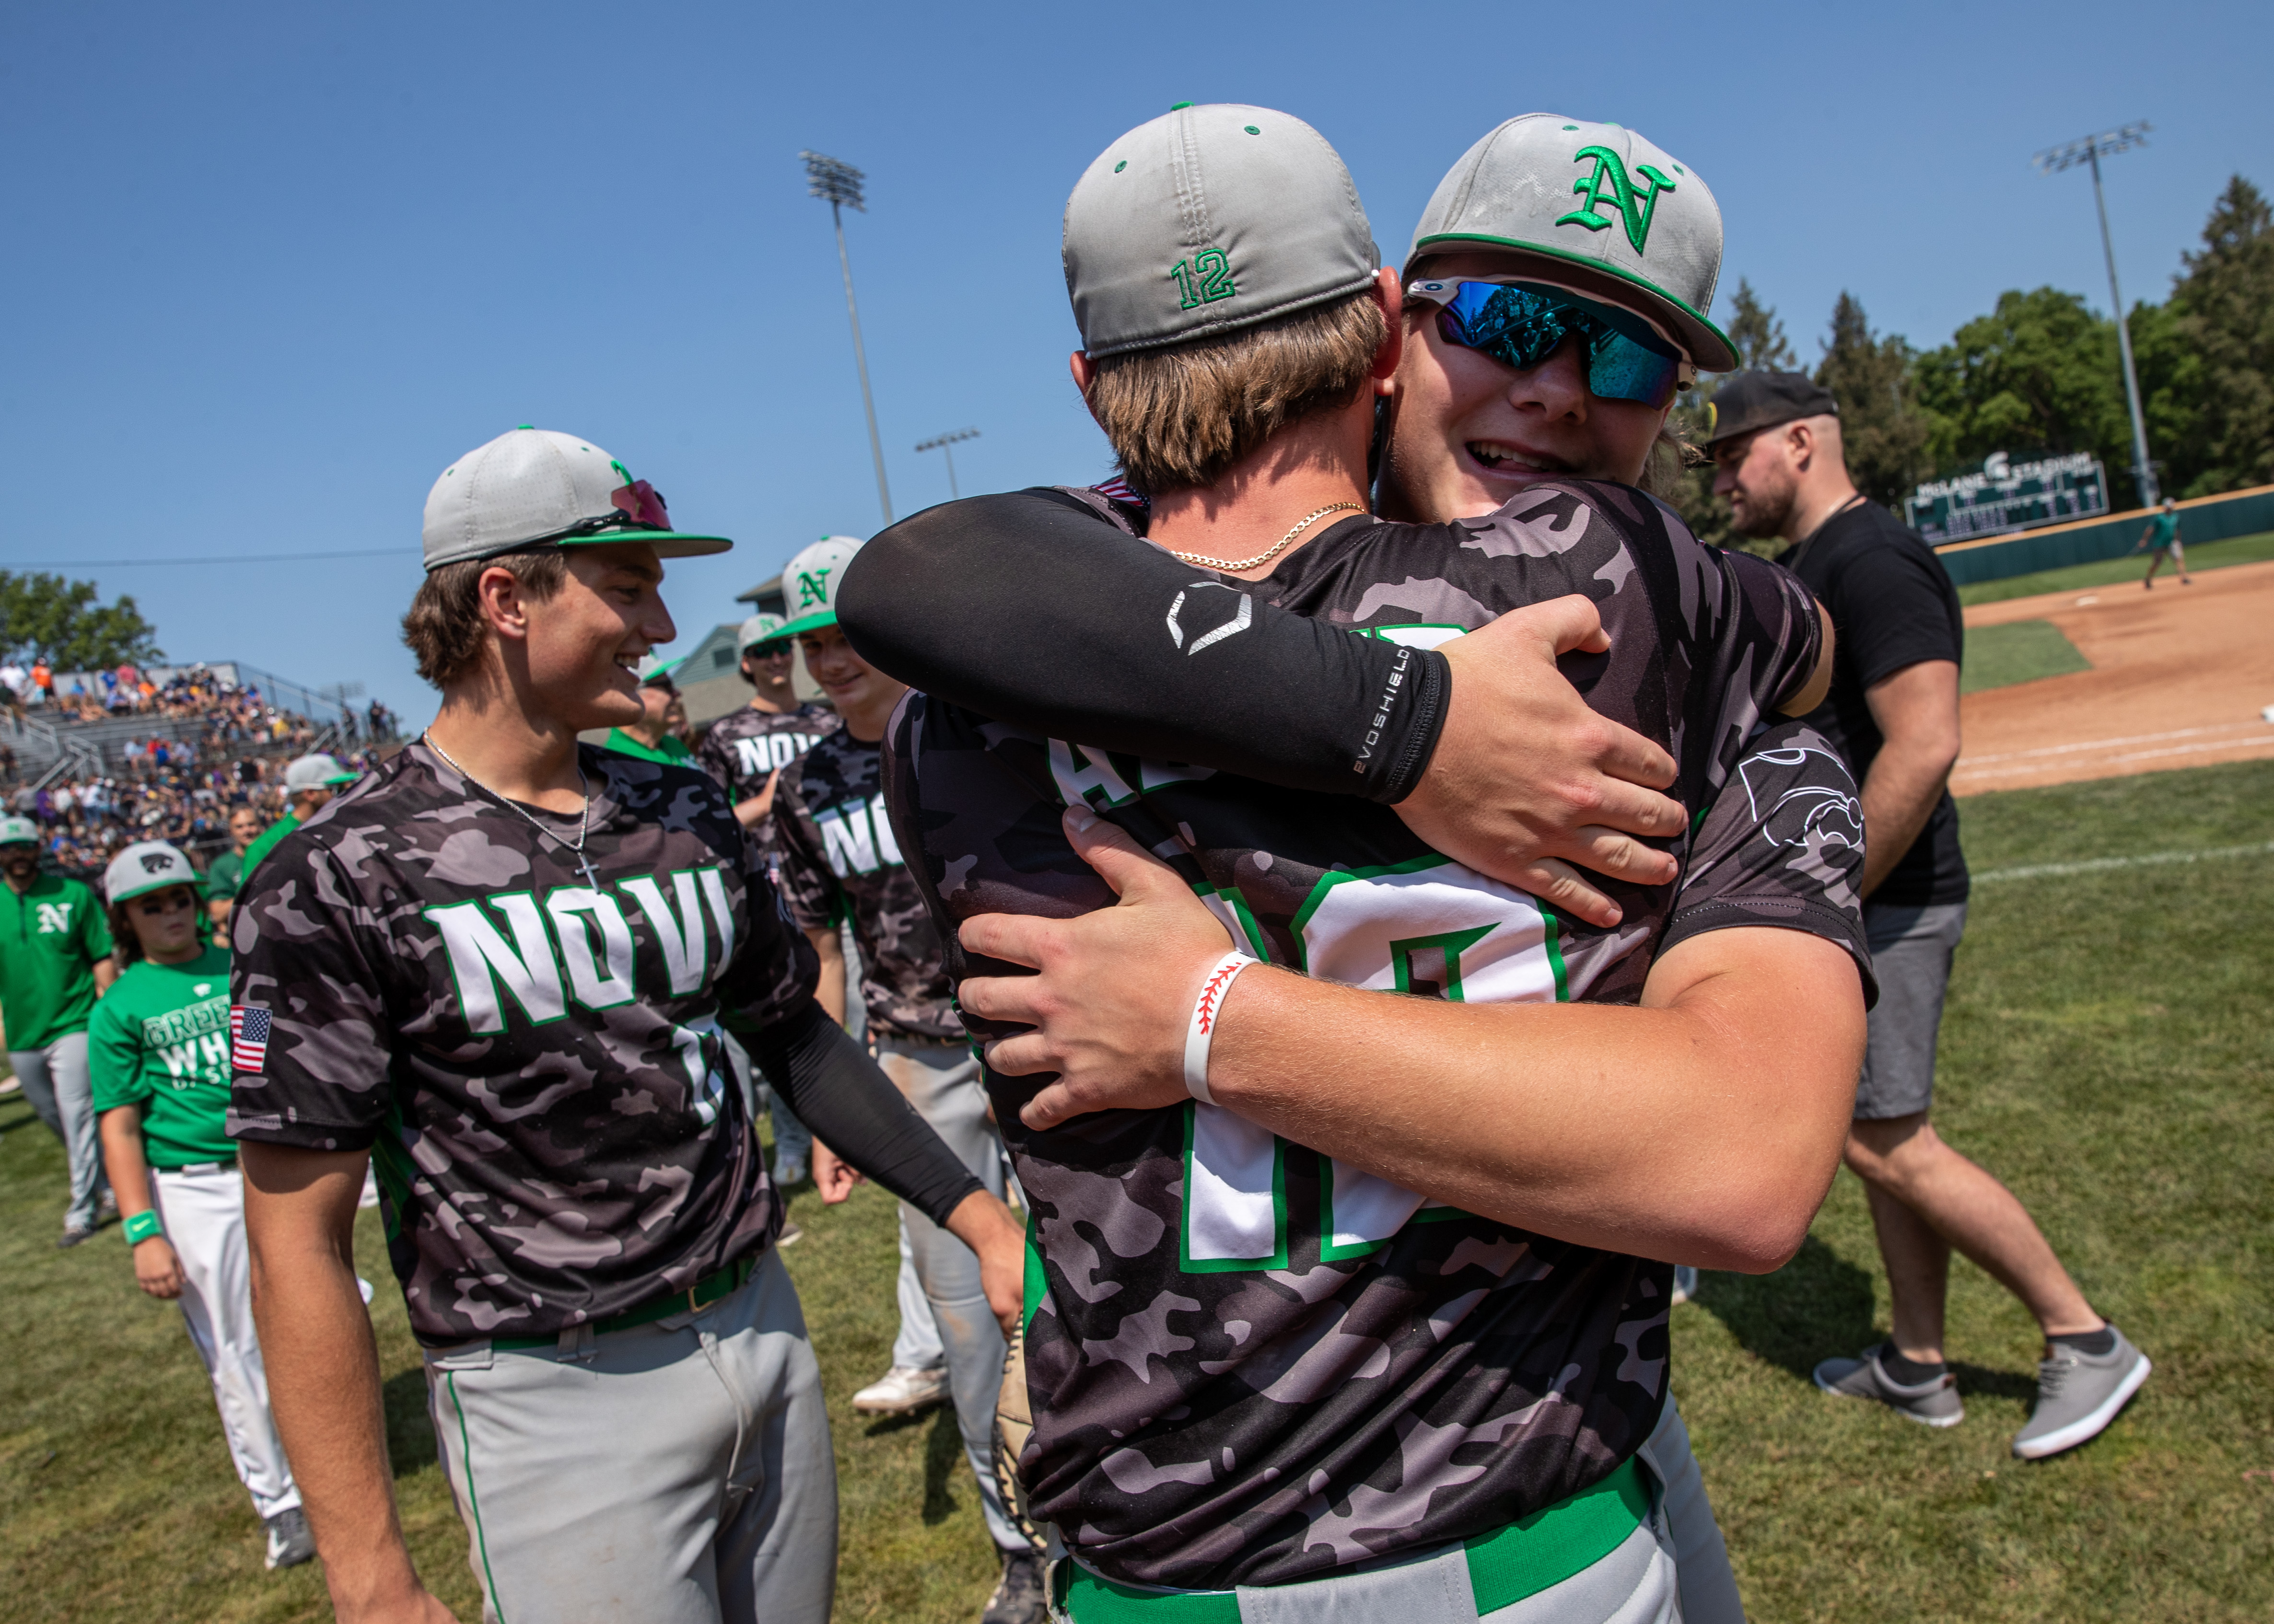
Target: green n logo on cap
{"x": 1205, "y": 280}
{"x": 813, "y": 587}
{"x": 1609, "y": 184}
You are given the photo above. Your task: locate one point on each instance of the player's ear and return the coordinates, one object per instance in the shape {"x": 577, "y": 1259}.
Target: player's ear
{"x": 504, "y": 608}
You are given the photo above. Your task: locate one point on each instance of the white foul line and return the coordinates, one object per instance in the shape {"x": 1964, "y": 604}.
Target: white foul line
{"x": 2104, "y": 744}
{"x": 2171, "y": 749}
{"x": 2096, "y": 865}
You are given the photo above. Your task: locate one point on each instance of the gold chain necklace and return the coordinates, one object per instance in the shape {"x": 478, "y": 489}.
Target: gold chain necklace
{"x": 1233, "y": 566}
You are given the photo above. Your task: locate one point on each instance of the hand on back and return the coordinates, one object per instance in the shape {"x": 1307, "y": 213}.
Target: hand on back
{"x": 1526, "y": 783}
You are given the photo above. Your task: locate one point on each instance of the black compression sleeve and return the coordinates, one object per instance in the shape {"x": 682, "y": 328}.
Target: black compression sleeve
{"x": 837, "y": 1091}
{"x": 1030, "y": 609}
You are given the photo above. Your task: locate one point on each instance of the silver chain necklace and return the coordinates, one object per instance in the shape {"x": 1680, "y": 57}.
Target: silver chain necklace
{"x": 1232, "y": 567}
{"x": 584, "y": 824}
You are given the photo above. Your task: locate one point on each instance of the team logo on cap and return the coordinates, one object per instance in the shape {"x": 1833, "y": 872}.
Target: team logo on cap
{"x": 1204, "y": 279}
{"x": 1610, "y": 187}
{"x": 157, "y": 862}
{"x": 813, "y": 587}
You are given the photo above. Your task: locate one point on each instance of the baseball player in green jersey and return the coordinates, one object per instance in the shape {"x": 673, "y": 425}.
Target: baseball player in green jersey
{"x": 158, "y": 1050}
{"x": 2162, "y": 533}
{"x": 651, "y": 738}
{"x": 310, "y": 783}
{"x": 55, "y": 962}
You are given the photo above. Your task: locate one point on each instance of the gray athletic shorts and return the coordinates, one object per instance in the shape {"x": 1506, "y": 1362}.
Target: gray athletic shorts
{"x": 1911, "y": 950}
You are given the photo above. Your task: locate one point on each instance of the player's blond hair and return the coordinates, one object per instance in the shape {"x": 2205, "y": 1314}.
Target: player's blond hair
{"x": 1179, "y": 418}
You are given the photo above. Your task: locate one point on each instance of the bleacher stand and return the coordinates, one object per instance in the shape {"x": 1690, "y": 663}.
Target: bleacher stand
{"x": 103, "y": 759}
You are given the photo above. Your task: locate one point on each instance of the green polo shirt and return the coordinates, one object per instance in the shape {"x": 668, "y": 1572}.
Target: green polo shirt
{"x": 160, "y": 1040}
{"x": 671, "y": 753}
{"x": 226, "y": 875}
{"x": 263, "y": 843}
{"x": 51, "y": 938}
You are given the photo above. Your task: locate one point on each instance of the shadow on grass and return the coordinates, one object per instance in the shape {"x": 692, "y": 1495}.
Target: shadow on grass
{"x": 1818, "y": 1305}
{"x": 409, "y": 1431}
{"x": 943, "y": 1455}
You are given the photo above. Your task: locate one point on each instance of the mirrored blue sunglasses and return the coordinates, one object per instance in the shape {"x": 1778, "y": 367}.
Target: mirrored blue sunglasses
{"x": 1521, "y": 324}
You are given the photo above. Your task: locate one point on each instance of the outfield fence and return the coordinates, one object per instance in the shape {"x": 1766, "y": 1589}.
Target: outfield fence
{"x": 2089, "y": 541}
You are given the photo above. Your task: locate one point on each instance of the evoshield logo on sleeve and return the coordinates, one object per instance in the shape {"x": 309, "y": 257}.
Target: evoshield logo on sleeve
{"x": 1610, "y": 187}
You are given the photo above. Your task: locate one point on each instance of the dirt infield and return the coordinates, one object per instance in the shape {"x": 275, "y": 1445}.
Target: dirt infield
{"x": 2179, "y": 677}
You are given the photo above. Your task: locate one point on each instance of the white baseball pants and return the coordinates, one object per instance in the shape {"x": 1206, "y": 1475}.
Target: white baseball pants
{"x": 203, "y": 1210}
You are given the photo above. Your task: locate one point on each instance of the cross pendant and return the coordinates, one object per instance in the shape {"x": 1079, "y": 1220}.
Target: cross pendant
{"x": 591, "y": 878}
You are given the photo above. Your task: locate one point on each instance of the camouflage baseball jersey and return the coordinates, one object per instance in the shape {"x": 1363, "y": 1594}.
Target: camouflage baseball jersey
{"x": 837, "y": 855}
{"x": 745, "y": 747}
{"x": 530, "y": 1047}
{"x": 1250, "y": 1363}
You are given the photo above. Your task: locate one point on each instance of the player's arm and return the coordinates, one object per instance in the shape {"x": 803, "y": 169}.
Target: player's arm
{"x": 851, "y": 1106}
{"x": 1030, "y": 609}
{"x": 752, "y": 812}
{"x": 323, "y": 1375}
{"x": 810, "y": 891}
{"x": 1702, "y": 1127}
{"x": 157, "y": 1270}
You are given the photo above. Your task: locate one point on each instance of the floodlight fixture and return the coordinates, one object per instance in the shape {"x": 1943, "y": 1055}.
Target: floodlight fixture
{"x": 2089, "y": 150}
{"x": 838, "y": 184}
{"x": 945, "y": 444}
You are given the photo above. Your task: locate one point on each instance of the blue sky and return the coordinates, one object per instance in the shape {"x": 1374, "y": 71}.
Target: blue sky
{"x": 271, "y": 267}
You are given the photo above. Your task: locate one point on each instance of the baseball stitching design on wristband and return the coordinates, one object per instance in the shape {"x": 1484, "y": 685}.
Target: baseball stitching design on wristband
{"x": 1200, "y": 1033}
{"x": 144, "y": 1226}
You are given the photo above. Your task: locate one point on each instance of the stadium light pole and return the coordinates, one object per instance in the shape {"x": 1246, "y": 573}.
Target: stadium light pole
{"x": 2088, "y": 150}
{"x": 944, "y": 444}
{"x": 839, "y": 182}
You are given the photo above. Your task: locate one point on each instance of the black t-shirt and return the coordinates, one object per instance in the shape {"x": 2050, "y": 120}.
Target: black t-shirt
{"x": 1892, "y": 606}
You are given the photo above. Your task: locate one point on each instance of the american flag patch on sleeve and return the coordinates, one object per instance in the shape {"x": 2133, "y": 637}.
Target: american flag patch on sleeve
{"x": 248, "y": 1037}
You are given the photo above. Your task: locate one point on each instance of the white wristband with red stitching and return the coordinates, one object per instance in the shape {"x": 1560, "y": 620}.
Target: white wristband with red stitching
{"x": 1201, "y": 1031}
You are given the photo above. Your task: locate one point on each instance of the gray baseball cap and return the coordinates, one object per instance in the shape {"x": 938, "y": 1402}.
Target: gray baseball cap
{"x": 1599, "y": 210}
{"x": 532, "y": 486}
{"x": 316, "y": 771}
{"x": 761, "y": 628}
{"x": 1208, "y": 220}
{"x": 148, "y": 866}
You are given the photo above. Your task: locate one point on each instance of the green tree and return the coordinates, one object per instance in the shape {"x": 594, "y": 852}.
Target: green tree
{"x": 1881, "y": 422}
{"x": 2207, "y": 358}
{"x": 2040, "y": 373}
{"x": 1758, "y": 335}
{"x": 48, "y": 618}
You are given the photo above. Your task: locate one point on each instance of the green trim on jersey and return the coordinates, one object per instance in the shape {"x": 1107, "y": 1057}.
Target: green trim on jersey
{"x": 160, "y": 1039}
{"x": 670, "y": 753}
{"x": 1277, "y": 1259}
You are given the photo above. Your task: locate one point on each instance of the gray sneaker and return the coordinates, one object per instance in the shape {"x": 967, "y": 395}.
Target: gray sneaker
{"x": 289, "y": 1541}
{"x": 1018, "y": 1599}
{"x": 1931, "y": 1403}
{"x": 2078, "y": 1395}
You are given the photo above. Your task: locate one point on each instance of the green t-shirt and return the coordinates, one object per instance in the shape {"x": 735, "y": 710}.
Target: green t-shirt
{"x": 51, "y": 938}
{"x": 671, "y": 753}
{"x": 263, "y": 843}
{"x": 160, "y": 1040}
{"x": 2167, "y": 529}
{"x": 226, "y": 875}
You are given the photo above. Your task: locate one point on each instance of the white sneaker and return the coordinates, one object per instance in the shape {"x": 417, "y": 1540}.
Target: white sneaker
{"x": 1685, "y": 1282}
{"x": 902, "y": 1391}
{"x": 289, "y": 1541}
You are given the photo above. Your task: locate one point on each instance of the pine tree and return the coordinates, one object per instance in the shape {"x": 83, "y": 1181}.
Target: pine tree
{"x": 2222, "y": 312}
{"x": 1881, "y": 423}
{"x": 1758, "y": 335}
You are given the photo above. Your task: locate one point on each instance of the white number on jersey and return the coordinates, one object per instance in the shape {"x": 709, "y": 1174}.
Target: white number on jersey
{"x": 1429, "y": 927}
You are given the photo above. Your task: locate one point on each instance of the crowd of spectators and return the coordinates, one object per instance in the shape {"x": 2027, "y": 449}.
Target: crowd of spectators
{"x": 180, "y": 784}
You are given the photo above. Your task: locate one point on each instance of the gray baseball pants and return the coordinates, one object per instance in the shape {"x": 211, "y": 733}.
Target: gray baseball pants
{"x": 675, "y": 1473}
{"x": 941, "y": 1081}
{"x": 56, "y": 1082}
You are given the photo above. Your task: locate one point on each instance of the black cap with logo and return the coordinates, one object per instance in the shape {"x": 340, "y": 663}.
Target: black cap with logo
{"x": 1749, "y": 401}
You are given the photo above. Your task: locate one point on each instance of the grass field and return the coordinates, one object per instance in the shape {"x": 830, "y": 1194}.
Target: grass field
{"x": 2120, "y": 571}
{"x": 2019, "y": 652}
{"x": 2109, "y": 1051}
